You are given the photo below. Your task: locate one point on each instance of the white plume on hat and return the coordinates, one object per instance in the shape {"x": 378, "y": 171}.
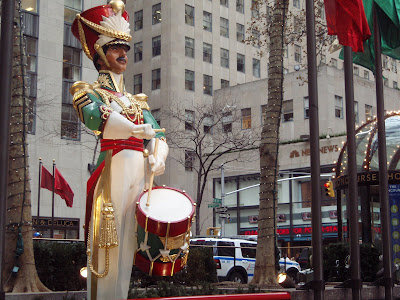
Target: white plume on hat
{"x": 117, "y": 23}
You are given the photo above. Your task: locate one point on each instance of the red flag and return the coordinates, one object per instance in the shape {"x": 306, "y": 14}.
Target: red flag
{"x": 347, "y": 20}
{"x": 47, "y": 179}
{"x": 62, "y": 188}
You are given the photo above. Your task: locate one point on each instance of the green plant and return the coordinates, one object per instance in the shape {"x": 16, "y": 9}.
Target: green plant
{"x": 58, "y": 264}
{"x": 369, "y": 258}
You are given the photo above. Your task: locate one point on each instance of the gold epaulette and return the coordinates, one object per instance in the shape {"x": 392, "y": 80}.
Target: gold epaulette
{"x": 142, "y": 101}
{"x": 79, "y": 91}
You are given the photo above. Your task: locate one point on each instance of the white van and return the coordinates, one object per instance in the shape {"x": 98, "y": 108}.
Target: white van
{"x": 235, "y": 258}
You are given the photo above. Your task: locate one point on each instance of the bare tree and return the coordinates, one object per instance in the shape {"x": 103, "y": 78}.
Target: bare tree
{"x": 20, "y": 271}
{"x": 272, "y": 28}
{"x": 206, "y": 133}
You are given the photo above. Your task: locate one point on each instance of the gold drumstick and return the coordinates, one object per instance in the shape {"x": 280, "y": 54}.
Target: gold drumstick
{"x": 142, "y": 131}
{"x": 152, "y": 173}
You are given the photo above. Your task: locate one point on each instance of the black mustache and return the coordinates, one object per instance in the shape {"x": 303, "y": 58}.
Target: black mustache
{"x": 121, "y": 59}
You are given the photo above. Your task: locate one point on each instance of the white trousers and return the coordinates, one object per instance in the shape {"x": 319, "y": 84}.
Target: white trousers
{"x": 127, "y": 182}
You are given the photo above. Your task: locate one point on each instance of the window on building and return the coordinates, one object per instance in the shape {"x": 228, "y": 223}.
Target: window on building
{"x": 255, "y": 35}
{"x": 189, "y": 120}
{"x": 239, "y": 32}
{"x": 366, "y": 74}
{"x": 240, "y": 63}
{"x": 157, "y": 45}
{"x": 156, "y": 13}
{"x": 207, "y": 52}
{"x": 156, "y": 113}
{"x": 224, "y": 58}
{"x": 207, "y": 21}
{"x": 356, "y": 71}
{"x": 208, "y": 123}
{"x": 224, "y": 3}
{"x": 190, "y": 157}
{"x": 255, "y": 12}
{"x": 227, "y": 120}
{"x": 369, "y": 112}
{"x": 189, "y": 80}
{"x": 31, "y": 33}
{"x": 296, "y": 25}
{"x": 70, "y": 124}
{"x": 356, "y": 116}
{"x": 138, "y": 20}
{"x": 297, "y": 53}
{"x": 338, "y": 107}
{"x": 263, "y": 113}
{"x": 224, "y": 83}
{"x": 246, "y": 118}
{"x": 395, "y": 86}
{"x": 189, "y": 47}
{"x": 138, "y": 50}
{"x": 394, "y": 65}
{"x": 30, "y": 6}
{"x": 71, "y": 8}
{"x": 334, "y": 62}
{"x": 189, "y": 15}
{"x": 156, "y": 79}
{"x": 287, "y": 110}
{"x": 296, "y": 3}
{"x": 207, "y": 85}
{"x": 256, "y": 67}
{"x": 224, "y": 27}
{"x": 240, "y": 6}
{"x": 385, "y": 62}
{"x": 137, "y": 84}
{"x": 306, "y": 108}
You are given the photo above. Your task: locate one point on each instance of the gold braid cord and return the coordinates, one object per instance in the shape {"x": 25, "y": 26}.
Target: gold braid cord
{"x": 108, "y": 231}
{"x": 108, "y": 32}
{"x": 82, "y": 39}
{"x": 132, "y": 113}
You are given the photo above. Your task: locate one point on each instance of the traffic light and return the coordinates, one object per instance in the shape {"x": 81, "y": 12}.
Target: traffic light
{"x": 329, "y": 191}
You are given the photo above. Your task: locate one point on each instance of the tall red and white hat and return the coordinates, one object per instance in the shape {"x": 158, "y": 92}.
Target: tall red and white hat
{"x": 102, "y": 25}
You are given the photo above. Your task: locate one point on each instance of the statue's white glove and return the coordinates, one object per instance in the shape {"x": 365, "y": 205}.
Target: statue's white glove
{"x": 143, "y": 131}
{"x": 157, "y": 164}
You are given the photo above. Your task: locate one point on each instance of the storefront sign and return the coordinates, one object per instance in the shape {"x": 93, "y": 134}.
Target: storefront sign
{"x": 303, "y": 230}
{"x": 58, "y": 222}
{"x": 394, "y": 202}
{"x": 307, "y": 152}
{"x": 366, "y": 179}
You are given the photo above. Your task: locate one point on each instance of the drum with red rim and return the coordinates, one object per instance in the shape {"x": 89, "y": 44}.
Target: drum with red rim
{"x": 163, "y": 231}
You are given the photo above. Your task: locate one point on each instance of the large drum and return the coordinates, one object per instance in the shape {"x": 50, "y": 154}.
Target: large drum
{"x": 163, "y": 231}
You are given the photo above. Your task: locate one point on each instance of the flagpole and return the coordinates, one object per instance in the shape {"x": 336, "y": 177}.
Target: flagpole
{"x": 52, "y": 202}
{"x": 40, "y": 177}
{"x": 356, "y": 283}
{"x": 382, "y": 156}
{"x": 318, "y": 284}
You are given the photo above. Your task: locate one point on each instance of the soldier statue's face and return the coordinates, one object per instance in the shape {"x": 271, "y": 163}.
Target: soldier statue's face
{"x": 117, "y": 58}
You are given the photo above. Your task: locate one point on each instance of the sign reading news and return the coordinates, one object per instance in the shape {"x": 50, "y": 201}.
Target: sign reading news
{"x": 394, "y": 202}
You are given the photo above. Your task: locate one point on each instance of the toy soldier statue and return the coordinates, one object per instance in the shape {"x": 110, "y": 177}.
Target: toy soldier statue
{"x": 128, "y": 138}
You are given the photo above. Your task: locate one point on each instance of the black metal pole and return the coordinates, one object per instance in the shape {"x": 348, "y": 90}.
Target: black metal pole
{"x": 6, "y": 59}
{"x": 318, "y": 283}
{"x": 52, "y": 202}
{"x": 382, "y": 156}
{"x": 40, "y": 176}
{"x": 352, "y": 198}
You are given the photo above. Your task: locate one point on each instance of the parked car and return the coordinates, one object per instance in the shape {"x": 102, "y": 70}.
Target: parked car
{"x": 235, "y": 258}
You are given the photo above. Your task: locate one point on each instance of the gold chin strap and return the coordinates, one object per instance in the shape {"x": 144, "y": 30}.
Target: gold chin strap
{"x": 100, "y": 51}
{"x": 82, "y": 38}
